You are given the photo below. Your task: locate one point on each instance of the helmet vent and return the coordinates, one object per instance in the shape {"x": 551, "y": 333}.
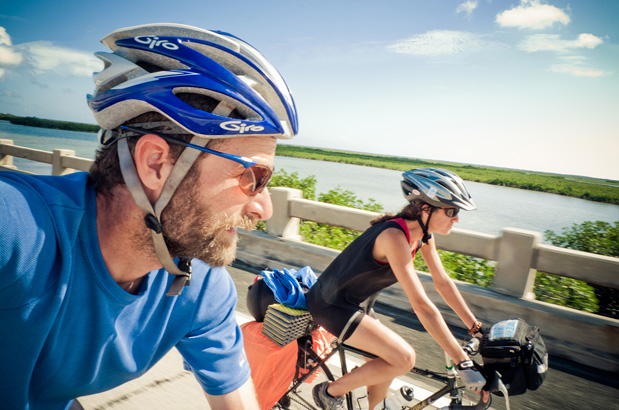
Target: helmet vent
{"x": 112, "y": 83}
{"x": 208, "y": 104}
{"x": 150, "y": 67}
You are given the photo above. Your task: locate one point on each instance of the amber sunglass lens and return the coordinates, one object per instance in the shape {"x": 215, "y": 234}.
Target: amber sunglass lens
{"x": 254, "y": 179}
{"x": 262, "y": 175}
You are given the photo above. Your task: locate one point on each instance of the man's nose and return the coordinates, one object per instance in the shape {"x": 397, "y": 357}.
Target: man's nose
{"x": 260, "y": 206}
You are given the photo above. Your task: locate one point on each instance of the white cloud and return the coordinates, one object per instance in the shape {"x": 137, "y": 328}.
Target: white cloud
{"x": 45, "y": 57}
{"x": 10, "y": 94}
{"x": 577, "y": 70}
{"x": 41, "y": 57}
{"x": 576, "y": 66}
{"x": 8, "y": 56}
{"x": 439, "y": 42}
{"x": 467, "y": 7}
{"x": 553, "y": 42}
{"x": 5, "y": 39}
{"x": 571, "y": 64}
{"x": 532, "y": 14}
{"x": 588, "y": 40}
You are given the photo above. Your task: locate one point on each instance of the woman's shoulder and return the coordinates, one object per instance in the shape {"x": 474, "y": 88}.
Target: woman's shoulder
{"x": 393, "y": 232}
{"x": 395, "y": 227}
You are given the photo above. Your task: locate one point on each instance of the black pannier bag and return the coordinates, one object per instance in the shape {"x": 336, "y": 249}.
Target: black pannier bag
{"x": 516, "y": 350}
{"x": 259, "y": 297}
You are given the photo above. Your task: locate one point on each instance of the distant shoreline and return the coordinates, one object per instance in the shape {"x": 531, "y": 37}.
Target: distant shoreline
{"x": 592, "y": 189}
{"x": 53, "y": 124}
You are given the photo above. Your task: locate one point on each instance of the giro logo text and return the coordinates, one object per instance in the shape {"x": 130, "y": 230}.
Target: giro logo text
{"x": 241, "y": 127}
{"x": 154, "y": 41}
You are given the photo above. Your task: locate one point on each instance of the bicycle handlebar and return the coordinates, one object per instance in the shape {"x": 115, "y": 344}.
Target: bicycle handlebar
{"x": 472, "y": 347}
{"x": 496, "y": 385}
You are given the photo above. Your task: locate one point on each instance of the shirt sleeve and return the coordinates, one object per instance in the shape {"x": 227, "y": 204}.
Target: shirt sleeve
{"x": 214, "y": 350}
{"x": 24, "y": 244}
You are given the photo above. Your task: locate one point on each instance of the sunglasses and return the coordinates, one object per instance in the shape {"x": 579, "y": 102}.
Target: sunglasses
{"x": 451, "y": 212}
{"x": 251, "y": 182}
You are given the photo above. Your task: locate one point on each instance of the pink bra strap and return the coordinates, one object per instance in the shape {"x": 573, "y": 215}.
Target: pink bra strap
{"x": 403, "y": 225}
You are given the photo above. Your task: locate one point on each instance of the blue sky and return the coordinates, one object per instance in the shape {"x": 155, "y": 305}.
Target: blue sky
{"x": 526, "y": 84}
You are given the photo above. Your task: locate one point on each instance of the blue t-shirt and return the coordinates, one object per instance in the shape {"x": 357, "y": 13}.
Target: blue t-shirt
{"x": 68, "y": 330}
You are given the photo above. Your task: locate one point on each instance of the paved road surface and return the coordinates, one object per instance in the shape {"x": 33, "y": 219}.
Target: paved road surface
{"x": 168, "y": 386}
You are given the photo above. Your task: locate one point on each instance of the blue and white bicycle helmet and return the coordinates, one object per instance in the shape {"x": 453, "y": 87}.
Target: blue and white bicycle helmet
{"x": 150, "y": 67}
{"x": 150, "y": 64}
{"x": 437, "y": 187}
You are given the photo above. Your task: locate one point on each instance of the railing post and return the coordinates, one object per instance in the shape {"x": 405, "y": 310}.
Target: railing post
{"x": 6, "y": 161}
{"x": 57, "y": 167}
{"x": 281, "y": 223}
{"x": 514, "y": 275}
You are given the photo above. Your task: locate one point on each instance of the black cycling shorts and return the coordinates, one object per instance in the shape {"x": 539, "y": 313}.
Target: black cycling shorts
{"x": 340, "y": 321}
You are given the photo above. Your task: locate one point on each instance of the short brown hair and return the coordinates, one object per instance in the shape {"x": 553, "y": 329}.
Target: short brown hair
{"x": 105, "y": 173}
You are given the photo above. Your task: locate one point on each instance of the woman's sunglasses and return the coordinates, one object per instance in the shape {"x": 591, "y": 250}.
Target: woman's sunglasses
{"x": 451, "y": 212}
{"x": 252, "y": 181}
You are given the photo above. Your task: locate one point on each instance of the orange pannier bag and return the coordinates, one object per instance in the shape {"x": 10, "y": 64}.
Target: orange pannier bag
{"x": 272, "y": 367}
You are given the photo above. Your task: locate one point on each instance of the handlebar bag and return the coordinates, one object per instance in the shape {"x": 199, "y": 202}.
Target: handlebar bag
{"x": 516, "y": 350}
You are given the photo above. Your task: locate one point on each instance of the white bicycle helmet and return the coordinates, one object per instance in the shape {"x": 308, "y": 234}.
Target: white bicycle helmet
{"x": 437, "y": 187}
{"x": 150, "y": 68}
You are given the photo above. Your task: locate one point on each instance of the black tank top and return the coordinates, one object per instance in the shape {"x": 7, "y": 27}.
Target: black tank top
{"x": 355, "y": 277}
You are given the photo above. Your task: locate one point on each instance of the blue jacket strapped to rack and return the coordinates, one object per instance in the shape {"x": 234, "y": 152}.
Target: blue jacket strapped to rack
{"x": 289, "y": 285}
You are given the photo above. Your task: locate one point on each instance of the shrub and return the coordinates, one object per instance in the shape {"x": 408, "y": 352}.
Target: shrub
{"x": 597, "y": 237}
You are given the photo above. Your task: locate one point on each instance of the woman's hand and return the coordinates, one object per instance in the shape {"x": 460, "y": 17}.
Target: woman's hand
{"x": 470, "y": 375}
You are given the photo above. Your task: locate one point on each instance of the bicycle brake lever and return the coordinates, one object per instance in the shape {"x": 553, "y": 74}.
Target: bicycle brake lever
{"x": 497, "y": 385}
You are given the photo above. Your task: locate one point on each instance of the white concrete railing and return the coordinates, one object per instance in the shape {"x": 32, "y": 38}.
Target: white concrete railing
{"x": 518, "y": 253}
{"x": 63, "y": 161}
{"x": 582, "y": 337}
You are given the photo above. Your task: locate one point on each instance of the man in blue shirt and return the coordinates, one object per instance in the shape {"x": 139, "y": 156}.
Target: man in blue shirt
{"x": 101, "y": 274}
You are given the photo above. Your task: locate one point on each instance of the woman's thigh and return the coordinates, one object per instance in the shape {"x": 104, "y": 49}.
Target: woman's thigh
{"x": 376, "y": 338}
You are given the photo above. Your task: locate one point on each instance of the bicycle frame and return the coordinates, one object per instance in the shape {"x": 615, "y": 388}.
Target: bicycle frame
{"x": 448, "y": 379}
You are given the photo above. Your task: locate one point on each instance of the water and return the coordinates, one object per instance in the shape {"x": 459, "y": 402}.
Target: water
{"x": 498, "y": 207}
{"x": 83, "y": 143}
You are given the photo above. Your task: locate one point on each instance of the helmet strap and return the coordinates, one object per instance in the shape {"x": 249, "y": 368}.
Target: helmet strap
{"x": 424, "y": 227}
{"x": 153, "y": 214}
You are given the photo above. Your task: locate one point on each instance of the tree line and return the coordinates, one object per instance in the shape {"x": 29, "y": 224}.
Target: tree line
{"x": 45, "y": 123}
{"x": 592, "y": 189}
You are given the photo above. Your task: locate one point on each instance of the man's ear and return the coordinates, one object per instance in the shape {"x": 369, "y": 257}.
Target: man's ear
{"x": 153, "y": 163}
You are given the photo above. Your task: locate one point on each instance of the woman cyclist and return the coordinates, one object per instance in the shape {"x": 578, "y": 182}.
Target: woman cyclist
{"x": 342, "y": 299}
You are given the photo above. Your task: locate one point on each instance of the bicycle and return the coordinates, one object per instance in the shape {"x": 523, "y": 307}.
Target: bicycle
{"x": 310, "y": 361}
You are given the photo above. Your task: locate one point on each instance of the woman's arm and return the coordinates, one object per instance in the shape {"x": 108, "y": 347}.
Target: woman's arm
{"x": 446, "y": 286}
{"x": 392, "y": 245}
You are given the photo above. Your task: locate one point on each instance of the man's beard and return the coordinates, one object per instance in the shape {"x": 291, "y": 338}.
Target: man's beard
{"x": 191, "y": 230}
